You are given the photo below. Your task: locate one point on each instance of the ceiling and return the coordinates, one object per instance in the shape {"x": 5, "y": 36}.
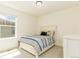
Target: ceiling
{"x": 29, "y": 7}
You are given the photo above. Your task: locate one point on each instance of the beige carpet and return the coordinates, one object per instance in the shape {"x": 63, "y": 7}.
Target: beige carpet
{"x": 54, "y": 52}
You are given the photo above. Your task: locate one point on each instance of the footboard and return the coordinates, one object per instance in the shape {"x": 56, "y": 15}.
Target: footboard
{"x": 32, "y": 50}
{"x": 29, "y": 49}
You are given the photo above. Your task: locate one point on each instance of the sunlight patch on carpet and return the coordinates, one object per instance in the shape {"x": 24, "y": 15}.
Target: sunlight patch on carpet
{"x": 10, "y": 54}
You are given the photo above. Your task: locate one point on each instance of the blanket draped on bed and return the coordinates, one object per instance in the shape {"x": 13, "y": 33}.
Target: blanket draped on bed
{"x": 38, "y": 42}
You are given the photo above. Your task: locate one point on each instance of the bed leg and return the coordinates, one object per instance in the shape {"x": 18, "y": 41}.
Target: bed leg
{"x": 37, "y": 56}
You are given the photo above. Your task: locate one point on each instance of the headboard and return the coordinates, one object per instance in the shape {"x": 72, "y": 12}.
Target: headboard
{"x": 51, "y": 28}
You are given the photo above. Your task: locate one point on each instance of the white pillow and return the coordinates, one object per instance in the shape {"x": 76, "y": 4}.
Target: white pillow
{"x": 51, "y": 33}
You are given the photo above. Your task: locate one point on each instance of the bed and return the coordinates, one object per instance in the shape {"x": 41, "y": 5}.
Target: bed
{"x": 37, "y": 44}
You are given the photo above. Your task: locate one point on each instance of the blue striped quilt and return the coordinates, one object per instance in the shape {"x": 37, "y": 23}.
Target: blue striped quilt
{"x": 38, "y": 42}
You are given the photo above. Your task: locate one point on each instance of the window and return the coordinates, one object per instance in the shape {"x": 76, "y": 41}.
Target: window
{"x": 7, "y": 26}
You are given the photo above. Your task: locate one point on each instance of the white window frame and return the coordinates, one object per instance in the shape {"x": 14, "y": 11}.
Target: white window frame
{"x": 15, "y": 31}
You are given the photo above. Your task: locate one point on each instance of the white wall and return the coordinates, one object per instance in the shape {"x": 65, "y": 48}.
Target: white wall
{"x": 26, "y": 25}
{"x": 67, "y": 22}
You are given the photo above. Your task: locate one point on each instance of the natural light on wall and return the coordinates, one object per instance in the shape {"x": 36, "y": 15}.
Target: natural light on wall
{"x": 7, "y": 26}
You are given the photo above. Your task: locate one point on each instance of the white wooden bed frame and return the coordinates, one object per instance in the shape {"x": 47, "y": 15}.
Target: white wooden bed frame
{"x": 31, "y": 49}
